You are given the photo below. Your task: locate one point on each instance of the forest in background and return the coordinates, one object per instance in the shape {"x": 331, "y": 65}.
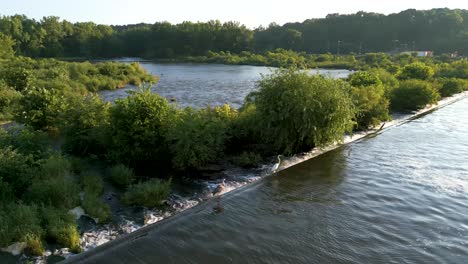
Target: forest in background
{"x": 438, "y": 30}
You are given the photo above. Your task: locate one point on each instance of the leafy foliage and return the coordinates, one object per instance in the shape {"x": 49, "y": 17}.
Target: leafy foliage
{"x": 122, "y": 175}
{"x": 138, "y": 127}
{"x": 83, "y": 125}
{"x": 416, "y": 70}
{"x": 298, "y": 111}
{"x": 368, "y": 95}
{"x": 453, "y": 86}
{"x": 413, "y": 95}
{"x": 150, "y": 193}
{"x": 199, "y": 136}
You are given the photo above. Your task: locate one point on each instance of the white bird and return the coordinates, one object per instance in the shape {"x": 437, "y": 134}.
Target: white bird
{"x": 220, "y": 188}
{"x": 275, "y": 167}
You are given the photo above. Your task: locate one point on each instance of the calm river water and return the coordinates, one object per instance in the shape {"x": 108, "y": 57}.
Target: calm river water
{"x": 398, "y": 197}
{"x": 199, "y": 85}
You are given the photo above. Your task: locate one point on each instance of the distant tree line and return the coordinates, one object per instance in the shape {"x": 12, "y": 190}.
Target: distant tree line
{"x": 440, "y": 30}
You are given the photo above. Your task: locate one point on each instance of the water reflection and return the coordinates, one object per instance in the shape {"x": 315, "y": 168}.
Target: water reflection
{"x": 199, "y": 85}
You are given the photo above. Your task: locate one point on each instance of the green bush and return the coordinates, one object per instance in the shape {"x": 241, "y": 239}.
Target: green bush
{"x": 368, "y": 96}
{"x": 413, "y": 95}
{"x": 26, "y": 141}
{"x": 389, "y": 81}
{"x": 199, "y": 136}
{"x": 16, "y": 169}
{"x": 55, "y": 167}
{"x": 83, "y": 125}
{"x": 452, "y": 86}
{"x": 92, "y": 183}
{"x": 61, "y": 228}
{"x": 138, "y": 127}
{"x": 149, "y": 194}
{"x": 247, "y": 159}
{"x": 121, "y": 175}
{"x": 17, "y": 78}
{"x": 18, "y": 221}
{"x": 297, "y": 111}
{"x": 59, "y": 192}
{"x": 6, "y": 192}
{"x": 417, "y": 70}
{"x": 34, "y": 245}
{"x": 40, "y": 108}
{"x": 9, "y": 99}
{"x": 95, "y": 207}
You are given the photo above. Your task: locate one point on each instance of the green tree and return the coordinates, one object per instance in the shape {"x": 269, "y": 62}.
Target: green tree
{"x": 368, "y": 95}
{"x": 6, "y": 46}
{"x": 416, "y": 70}
{"x": 413, "y": 95}
{"x": 298, "y": 111}
{"x": 138, "y": 126}
{"x": 200, "y": 136}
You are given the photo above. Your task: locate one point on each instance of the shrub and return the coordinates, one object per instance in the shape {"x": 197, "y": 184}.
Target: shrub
{"x": 138, "y": 127}
{"x": 149, "y": 194}
{"x": 15, "y": 169}
{"x": 413, "y": 95}
{"x": 40, "y": 108}
{"x": 61, "y": 228}
{"x": 83, "y": 125}
{"x": 417, "y": 70}
{"x": 6, "y": 192}
{"x": 121, "y": 175}
{"x": 34, "y": 245}
{"x": 247, "y": 159}
{"x": 8, "y": 100}
{"x": 297, "y": 111}
{"x": 26, "y": 141}
{"x": 55, "y": 167}
{"x": 18, "y": 221}
{"x": 451, "y": 87}
{"x": 389, "y": 81}
{"x": 92, "y": 183}
{"x": 368, "y": 96}
{"x": 96, "y": 208}
{"x": 58, "y": 192}
{"x": 17, "y": 78}
{"x": 199, "y": 136}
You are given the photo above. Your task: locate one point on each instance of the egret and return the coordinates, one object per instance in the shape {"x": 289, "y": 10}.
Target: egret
{"x": 275, "y": 167}
{"x": 220, "y": 188}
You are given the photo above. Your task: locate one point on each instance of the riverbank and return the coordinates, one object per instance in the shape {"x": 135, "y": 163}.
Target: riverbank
{"x": 289, "y": 162}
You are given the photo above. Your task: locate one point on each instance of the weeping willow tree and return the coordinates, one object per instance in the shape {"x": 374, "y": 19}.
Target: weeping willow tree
{"x": 297, "y": 111}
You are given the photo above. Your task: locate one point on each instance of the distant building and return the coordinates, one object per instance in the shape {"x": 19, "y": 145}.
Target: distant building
{"x": 454, "y": 54}
{"x": 422, "y": 53}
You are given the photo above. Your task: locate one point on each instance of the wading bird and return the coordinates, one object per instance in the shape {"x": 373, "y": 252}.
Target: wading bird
{"x": 220, "y": 188}
{"x": 275, "y": 167}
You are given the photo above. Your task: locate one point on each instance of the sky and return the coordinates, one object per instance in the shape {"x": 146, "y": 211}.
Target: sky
{"x": 252, "y": 13}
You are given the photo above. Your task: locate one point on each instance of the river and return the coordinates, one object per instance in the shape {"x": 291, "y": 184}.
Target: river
{"x": 199, "y": 85}
{"x": 397, "y": 197}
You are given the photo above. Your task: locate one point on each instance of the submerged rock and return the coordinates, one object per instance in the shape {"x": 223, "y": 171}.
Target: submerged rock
{"x": 15, "y": 249}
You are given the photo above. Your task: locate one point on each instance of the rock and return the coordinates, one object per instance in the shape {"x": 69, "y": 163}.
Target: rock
{"x": 47, "y": 253}
{"x": 129, "y": 227}
{"x": 15, "y": 249}
{"x": 77, "y": 212}
{"x": 152, "y": 218}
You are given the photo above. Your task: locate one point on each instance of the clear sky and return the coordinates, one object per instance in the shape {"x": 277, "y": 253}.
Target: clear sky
{"x": 249, "y": 12}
